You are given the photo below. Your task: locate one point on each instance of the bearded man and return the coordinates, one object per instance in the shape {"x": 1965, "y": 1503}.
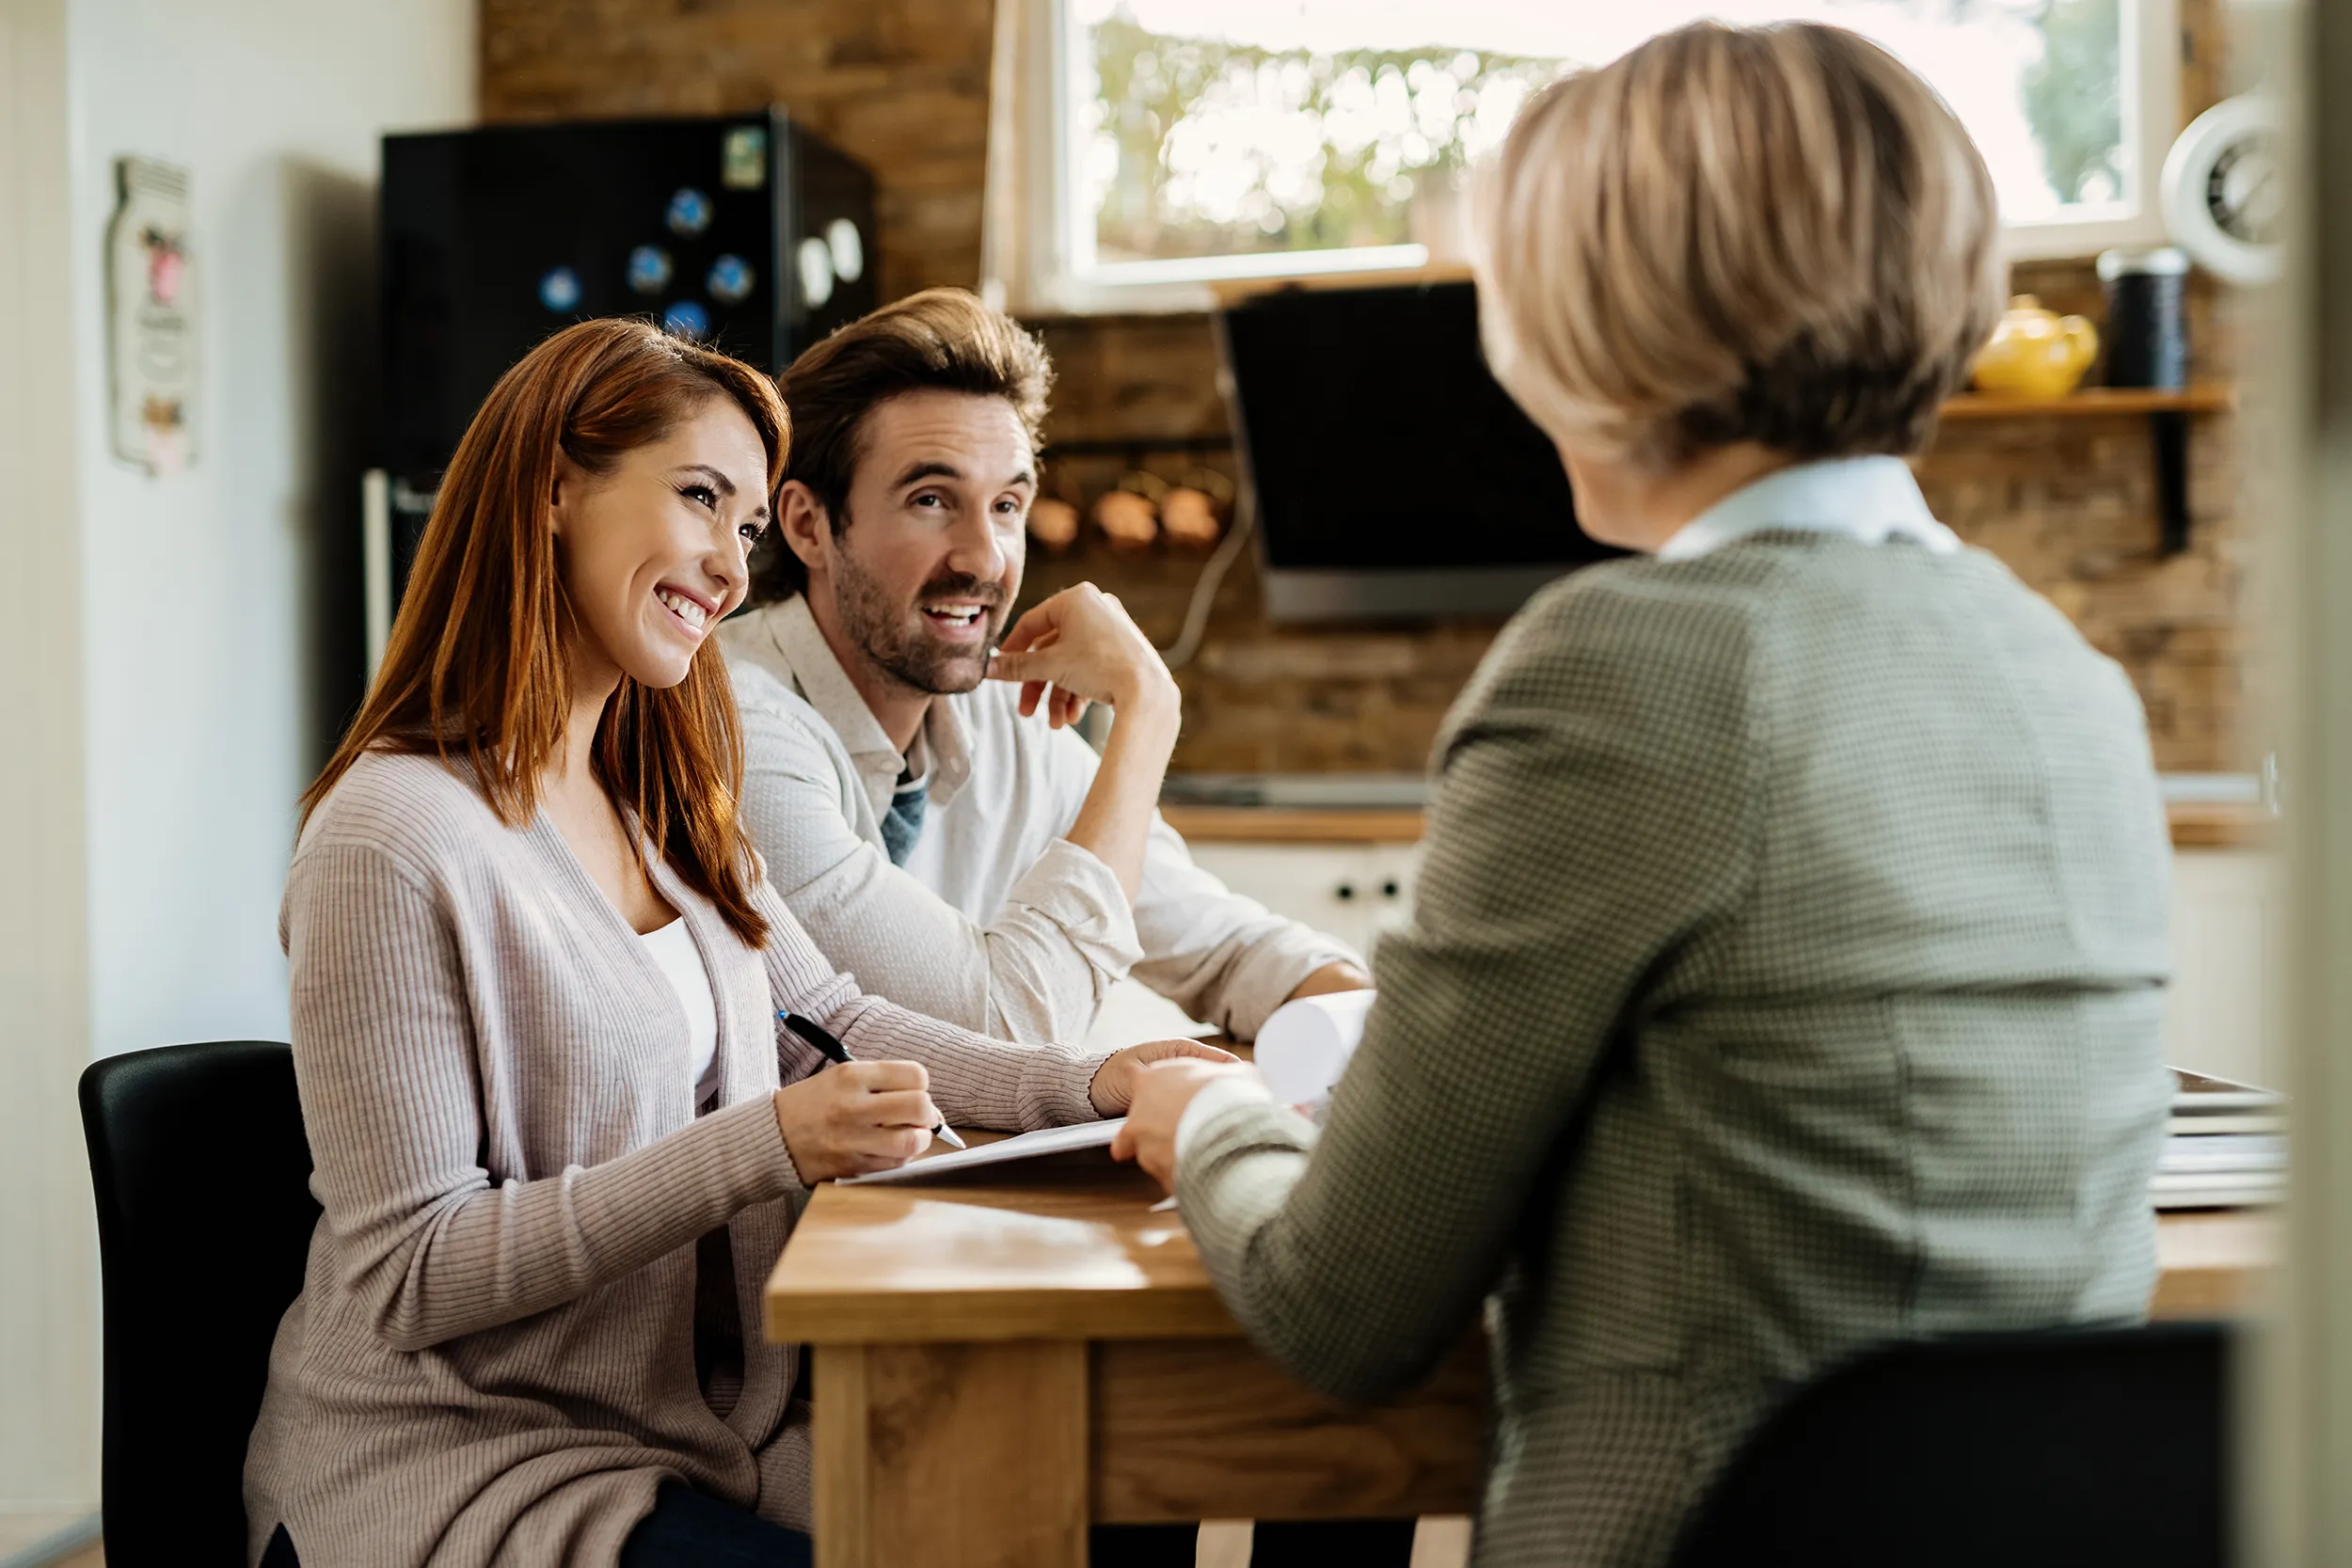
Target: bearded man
{"x": 917, "y": 791}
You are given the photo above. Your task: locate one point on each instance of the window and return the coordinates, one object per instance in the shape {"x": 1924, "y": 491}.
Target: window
{"x": 1198, "y": 140}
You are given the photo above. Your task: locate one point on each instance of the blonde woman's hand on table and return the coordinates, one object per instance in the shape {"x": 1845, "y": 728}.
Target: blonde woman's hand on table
{"x": 855, "y": 1117}
{"x": 1161, "y": 1091}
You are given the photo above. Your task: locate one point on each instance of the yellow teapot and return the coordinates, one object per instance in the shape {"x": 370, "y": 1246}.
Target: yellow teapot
{"x": 2035, "y": 352}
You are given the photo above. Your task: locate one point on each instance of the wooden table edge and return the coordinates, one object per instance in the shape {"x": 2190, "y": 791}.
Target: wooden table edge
{"x": 916, "y": 1318}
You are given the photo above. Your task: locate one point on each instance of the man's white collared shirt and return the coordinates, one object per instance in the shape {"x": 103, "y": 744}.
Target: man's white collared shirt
{"x": 996, "y": 921}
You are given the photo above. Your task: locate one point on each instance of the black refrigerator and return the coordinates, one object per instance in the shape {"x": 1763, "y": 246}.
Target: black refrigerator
{"x": 743, "y": 231}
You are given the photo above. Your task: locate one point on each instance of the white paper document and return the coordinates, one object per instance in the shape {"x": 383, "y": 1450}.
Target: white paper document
{"x": 1050, "y": 1140}
{"x": 1305, "y": 1046}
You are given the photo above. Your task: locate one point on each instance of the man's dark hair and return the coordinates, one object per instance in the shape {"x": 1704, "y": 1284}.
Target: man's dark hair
{"x": 941, "y": 340}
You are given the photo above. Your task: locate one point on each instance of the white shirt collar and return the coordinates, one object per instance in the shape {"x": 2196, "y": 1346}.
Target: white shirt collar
{"x": 803, "y": 659}
{"x": 1869, "y": 499}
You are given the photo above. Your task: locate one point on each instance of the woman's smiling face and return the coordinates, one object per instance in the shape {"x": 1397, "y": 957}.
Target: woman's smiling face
{"x": 652, "y": 551}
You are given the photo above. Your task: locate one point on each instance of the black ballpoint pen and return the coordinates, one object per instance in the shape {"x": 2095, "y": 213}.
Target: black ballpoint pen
{"x": 832, "y": 1050}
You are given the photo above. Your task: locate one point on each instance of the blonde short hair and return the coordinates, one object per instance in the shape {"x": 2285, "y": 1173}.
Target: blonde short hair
{"x": 1772, "y": 234}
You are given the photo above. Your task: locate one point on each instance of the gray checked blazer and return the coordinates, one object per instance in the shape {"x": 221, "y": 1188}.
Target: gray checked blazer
{"x": 1785, "y": 977}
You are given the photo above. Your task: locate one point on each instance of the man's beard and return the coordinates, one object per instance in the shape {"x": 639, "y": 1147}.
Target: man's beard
{"x": 881, "y": 631}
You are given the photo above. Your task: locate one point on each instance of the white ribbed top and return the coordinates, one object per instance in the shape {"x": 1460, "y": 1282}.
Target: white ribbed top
{"x": 673, "y": 947}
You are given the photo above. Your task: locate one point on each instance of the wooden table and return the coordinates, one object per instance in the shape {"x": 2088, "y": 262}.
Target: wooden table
{"x": 1000, "y": 1360}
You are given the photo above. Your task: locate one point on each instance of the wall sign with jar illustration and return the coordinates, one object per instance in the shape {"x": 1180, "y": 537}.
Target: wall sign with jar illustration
{"x": 151, "y": 317}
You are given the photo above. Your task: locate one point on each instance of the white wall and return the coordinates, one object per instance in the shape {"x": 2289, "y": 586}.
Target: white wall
{"x": 221, "y": 606}
{"x": 179, "y": 658}
{"x": 48, "y": 1423}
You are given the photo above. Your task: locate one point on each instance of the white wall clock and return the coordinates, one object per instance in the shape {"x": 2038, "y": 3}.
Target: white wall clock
{"x": 2225, "y": 193}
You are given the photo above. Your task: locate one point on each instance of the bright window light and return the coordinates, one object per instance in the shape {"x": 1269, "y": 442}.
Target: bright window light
{"x": 1222, "y": 138}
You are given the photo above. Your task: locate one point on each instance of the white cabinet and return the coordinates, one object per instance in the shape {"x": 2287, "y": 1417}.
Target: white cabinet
{"x": 2224, "y": 1014}
{"x": 1353, "y": 891}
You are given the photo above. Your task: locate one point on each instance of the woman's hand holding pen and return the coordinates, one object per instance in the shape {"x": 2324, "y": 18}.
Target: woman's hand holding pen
{"x": 856, "y": 1117}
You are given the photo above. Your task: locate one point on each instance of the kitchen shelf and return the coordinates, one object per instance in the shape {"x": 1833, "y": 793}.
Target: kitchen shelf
{"x": 2167, "y": 412}
{"x": 2221, "y": 825}
{"x": 2194, "y": 824}
{"x": 1133, "y": 448}
{"x": 2210, "y": 398}
{"x": 1293, "y": 825}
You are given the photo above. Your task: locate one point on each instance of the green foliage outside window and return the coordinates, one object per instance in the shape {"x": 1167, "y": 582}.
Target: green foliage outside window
{"x": 1349, "y": 190}
{"x": 1207, "y": 147}
{"x": 2074, "y": 99}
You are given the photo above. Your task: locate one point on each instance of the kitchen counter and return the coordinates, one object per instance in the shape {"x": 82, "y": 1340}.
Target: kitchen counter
{"x": 2219, "y": 825}
{"x": 1294, "y": 824}
{"x": 2196, "y": 824}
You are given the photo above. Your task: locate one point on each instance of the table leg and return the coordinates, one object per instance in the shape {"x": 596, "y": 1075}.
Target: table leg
{"x": 951, "y": 1456}
{"x": 1208, "y": 1429}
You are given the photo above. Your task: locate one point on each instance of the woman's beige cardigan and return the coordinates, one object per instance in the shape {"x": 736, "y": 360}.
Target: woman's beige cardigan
{"x": 493, "y": 1359}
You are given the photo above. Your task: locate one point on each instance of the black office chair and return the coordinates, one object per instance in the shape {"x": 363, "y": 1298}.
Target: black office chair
{"x": 2020, "y": 1451}
{"x": 204, "y": 1220}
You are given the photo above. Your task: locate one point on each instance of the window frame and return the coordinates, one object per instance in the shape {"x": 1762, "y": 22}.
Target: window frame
{"x": 1057, "y": 242}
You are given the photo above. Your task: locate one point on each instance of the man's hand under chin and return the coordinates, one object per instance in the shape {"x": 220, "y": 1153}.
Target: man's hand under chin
{"x": 1329, "y": 978}
{"x": 1080, "y": 647}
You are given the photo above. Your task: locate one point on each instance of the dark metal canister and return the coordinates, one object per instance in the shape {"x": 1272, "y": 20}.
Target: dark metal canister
{"x": 2147, "y": 336}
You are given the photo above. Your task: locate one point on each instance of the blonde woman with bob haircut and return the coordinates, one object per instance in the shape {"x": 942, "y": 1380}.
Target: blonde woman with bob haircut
{"x": 558, "y": 1134}
{"x": 1785, "y": 968}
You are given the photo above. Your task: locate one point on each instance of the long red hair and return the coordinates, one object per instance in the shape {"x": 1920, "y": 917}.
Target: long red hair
{"x": 478, "y": 661}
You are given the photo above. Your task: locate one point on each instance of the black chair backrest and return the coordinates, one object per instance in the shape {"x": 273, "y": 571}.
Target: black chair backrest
{"x": 205, "y": 1221}
{"x": 2022, "y": 1450}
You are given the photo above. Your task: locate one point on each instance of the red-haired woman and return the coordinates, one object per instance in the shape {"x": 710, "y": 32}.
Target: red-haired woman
{"x": 537, "y": 973}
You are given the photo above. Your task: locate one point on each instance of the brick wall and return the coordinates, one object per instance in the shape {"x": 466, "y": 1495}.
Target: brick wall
{"x": 901, "y": 85}
{"x": 2069, "y": 503}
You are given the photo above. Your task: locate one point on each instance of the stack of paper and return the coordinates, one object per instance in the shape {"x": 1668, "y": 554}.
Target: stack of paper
{"x": 1305, "y": 1046}
{"x": 1028, "y": 1146}
{"x": 2227, "y": 1146}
